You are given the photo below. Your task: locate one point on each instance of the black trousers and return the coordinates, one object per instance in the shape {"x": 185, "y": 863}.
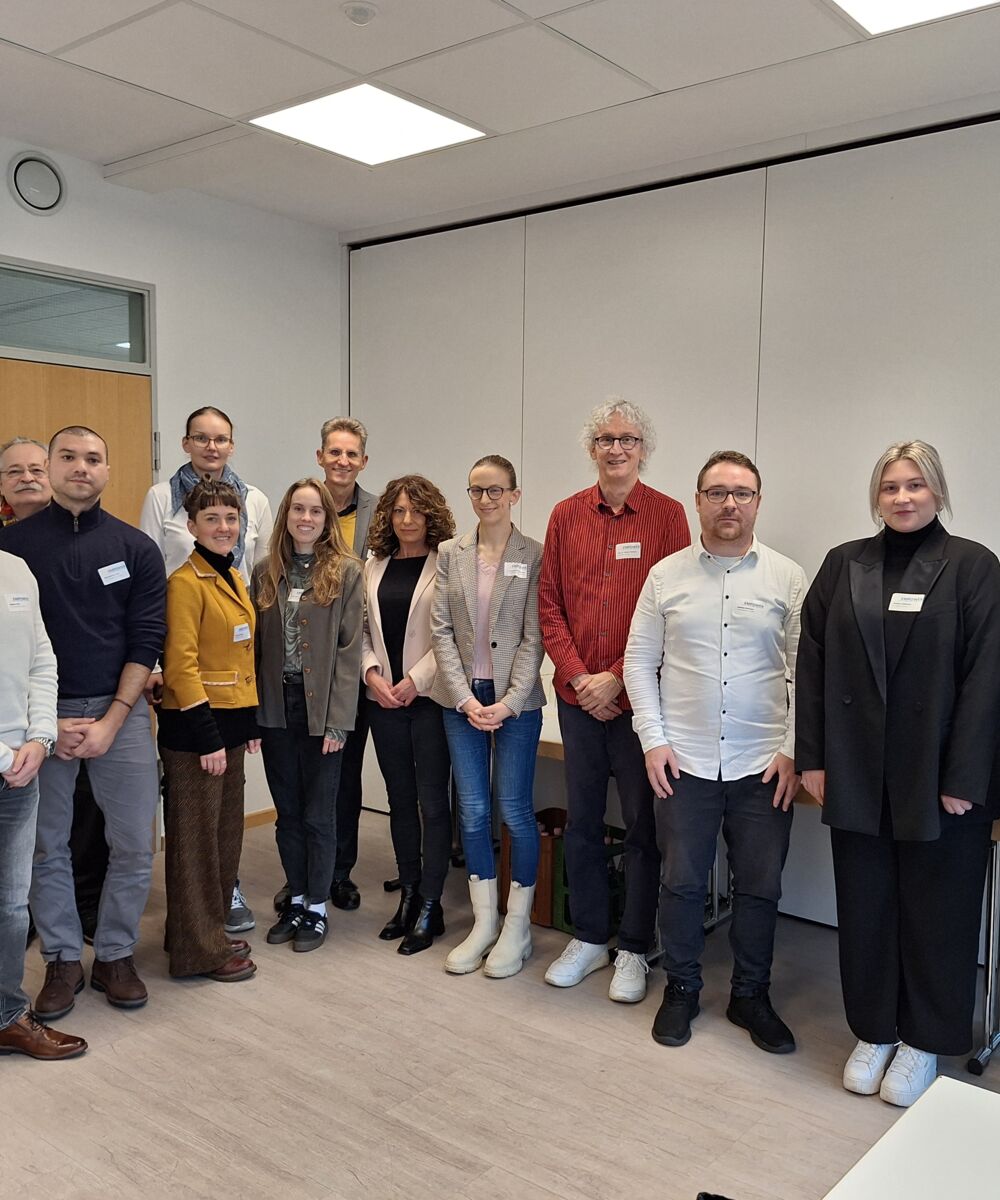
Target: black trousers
{"x": 88, "y": 848}
{"x": 349, "y": 796}
{"x": 413, "y": 757}
{"x": 303, "y": 782}
{"x": 909, "y": 916}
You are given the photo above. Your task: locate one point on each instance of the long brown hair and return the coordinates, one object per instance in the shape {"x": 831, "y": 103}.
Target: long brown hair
{"x": 426, "y": 498}
{"x": 330, "y": 549}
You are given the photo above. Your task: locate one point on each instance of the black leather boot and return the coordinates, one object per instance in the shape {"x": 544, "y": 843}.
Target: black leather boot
{"x": 401, "y": 923}
{"x": 428, "y": 925}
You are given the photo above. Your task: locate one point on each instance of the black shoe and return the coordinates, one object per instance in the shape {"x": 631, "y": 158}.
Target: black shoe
{"x": 311, "y": 933}
{"x": 344, "y": 894}
{"x": 428, "y": 925}
{"x": 767, "y": 1030}
{"x": 400, "y": 924}
{"x": 672, "y": 1023}
{"x": 281, "y": 899}
{"x": 287, "y": 924}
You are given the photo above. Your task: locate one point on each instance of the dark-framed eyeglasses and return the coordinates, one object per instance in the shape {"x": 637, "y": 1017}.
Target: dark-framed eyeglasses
{"x": 222, "y": 442}
{"x": 494, "y": 492}
{"x": 606, "y": 442}
{"x": 719, "y": 495}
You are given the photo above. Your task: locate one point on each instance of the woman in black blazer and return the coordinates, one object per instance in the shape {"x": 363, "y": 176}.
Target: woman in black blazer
{"x": 897, "y": 691}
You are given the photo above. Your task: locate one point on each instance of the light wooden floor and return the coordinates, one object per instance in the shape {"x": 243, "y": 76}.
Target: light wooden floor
{"x": 353, "y": 1072}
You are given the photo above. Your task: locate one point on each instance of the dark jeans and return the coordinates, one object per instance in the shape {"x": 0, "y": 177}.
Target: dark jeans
{"x": 18, "y": 808}
{"x": 303, "y": 782}
{"x": 413, "y": 758}
{"x": 756, "y": 833}
{"x": 594, "y": 751}
{"x": 349, "y": 796}
{"x": 909, "y": 916}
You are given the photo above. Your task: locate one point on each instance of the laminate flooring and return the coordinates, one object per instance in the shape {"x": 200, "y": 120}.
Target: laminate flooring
{"x": 352, "y": 1072}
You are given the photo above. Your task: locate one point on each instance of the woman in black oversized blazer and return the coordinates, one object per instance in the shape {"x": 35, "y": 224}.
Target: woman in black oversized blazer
{"x": 897, "y": 707}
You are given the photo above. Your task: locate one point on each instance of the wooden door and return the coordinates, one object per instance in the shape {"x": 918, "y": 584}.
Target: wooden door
{"x": 36, "y": 399}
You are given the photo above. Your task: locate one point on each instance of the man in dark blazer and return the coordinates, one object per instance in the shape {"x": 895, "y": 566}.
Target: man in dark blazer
{"x": 342, "y": 455}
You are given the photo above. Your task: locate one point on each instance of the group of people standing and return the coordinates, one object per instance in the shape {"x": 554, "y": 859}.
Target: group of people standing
{"x": 707, "y": 679}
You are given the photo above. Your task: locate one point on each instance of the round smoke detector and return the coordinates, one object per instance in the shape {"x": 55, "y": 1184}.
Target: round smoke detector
{"x": 36, "y": 183}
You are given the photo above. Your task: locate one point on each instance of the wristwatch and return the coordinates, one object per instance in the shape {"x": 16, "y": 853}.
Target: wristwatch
{"x": 48, "y": 743}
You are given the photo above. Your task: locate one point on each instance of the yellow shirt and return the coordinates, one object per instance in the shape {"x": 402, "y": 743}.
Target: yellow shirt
{"x": 348, "y": 524}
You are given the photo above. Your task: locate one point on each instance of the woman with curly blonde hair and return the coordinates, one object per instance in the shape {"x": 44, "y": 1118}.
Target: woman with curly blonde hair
{"x": 309, "y": 602}
{"x": 411, "y": 519}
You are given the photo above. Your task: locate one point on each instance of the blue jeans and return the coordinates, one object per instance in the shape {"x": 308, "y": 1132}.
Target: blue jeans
{"x": 18, "y": 809}
{"x": 514, "y": 747}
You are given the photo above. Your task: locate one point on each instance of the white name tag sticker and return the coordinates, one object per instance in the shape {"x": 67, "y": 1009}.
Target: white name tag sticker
{"x": 241, "y": 633}
{"x": 747, "y": 607}
{"x": 628, "y": 550}
{"x": 906, "y": 601}
{"x": 16, "y": 602}
{"x": 113, "y": 573}
{"x": 516, "y": 570}
{"x": 295, "y": 595}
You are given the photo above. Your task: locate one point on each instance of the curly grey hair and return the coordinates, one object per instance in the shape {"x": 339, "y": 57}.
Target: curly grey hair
{"x": 628, "y": 411}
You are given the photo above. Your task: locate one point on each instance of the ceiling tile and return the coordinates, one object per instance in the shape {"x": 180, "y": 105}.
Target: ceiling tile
{"x": 524, "y": 77}
{"x": 50, "y": 104}
{"x": 201, "y": 58}
{"x": 674, "y": 43}
{"x": 403, "y": 29}
{"x": 544, "y": 8}
{"x": 58, "y": 22}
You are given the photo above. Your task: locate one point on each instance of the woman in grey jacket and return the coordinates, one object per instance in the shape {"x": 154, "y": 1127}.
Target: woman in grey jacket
{"x": 310, "y": 609}
{"x": 486, "y": 638}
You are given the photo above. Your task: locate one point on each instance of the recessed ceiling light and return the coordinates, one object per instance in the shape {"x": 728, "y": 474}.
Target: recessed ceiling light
{"x": 879, "y": 16}
{"x": 368, "y": 124}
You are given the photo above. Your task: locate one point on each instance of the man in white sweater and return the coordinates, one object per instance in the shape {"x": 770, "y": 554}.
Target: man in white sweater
{"x": 27, "y": 737}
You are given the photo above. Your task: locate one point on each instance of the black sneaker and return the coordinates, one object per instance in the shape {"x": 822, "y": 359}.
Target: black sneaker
{"x": 767, "y": 1030}
{"x": 287, "y": 924}
{"x": 311, "y": 933}
{"x": 672, "y": 1023}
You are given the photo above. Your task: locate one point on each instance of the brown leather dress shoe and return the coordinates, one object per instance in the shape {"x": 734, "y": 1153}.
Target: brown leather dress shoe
{"x": 240, "y": 947}
{"x": 27, "y": 1035}
{"x": 63, "y": 979}
{"x": 233, "y": 971}
{"x": 120, "y": 982}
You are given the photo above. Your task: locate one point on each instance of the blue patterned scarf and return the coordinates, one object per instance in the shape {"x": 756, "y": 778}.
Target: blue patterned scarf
{"x": 182, "y": 482}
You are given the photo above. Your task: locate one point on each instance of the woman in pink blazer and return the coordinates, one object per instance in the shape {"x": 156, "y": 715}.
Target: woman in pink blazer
{"x": 397, "y": 664}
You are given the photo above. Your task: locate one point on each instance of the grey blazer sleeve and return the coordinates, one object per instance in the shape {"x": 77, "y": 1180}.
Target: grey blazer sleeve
{"x": 524, "y": 671}
{"x": 451, "y": 687}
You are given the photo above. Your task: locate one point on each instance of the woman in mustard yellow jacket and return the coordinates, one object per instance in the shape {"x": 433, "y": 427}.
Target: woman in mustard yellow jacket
{"x": 206, "y": 723}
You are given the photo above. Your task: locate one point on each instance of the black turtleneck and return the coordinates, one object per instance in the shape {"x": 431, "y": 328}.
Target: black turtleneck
{"x": 899, "y": 550}
{"x": 220, "y": 563}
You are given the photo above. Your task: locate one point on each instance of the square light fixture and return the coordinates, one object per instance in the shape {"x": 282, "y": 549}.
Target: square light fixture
{"x": 368, "y": 124}
{"x": 879, "y": 16}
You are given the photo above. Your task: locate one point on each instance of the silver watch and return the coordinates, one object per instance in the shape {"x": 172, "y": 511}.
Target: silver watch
{"x": 48, "y": 743}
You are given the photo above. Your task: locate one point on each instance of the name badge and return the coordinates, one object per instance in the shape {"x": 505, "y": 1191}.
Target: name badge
{"x": 241, "y": 633}
{"x": 17, "y": 603}
{"x": 515, "y": 570}
{"x": 750, "y": 606}
{"x": 113, "y": 573}
{"x": 628, "y": 550}
{"x": 295, "y": 595}
{"x": 906, "y": 601}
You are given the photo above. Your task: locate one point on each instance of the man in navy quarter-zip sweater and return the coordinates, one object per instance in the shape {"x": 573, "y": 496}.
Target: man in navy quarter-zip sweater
{"x": 102, "y": 588}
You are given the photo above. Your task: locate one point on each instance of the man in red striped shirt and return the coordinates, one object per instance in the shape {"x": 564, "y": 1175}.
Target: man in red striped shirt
{"x": 599, "y": 548}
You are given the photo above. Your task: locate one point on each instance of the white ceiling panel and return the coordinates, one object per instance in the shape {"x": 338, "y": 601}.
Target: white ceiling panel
{"x": 543, "y": 8}
{"x": 517, "y": 79}
{"x": 674, "y": 43}
{"x": 54, "y": 23}
{"x": 403, "y": 29}
{"x": 196, "y": 56}
{"x": 87, "y": 115}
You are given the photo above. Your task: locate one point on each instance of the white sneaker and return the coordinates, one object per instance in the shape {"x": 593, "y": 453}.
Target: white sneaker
{"x": 911, "y": 1074}
{"x": 629, "y": 983}
{"x": 863, "y": 1071}
{"x": 576, "y": 962}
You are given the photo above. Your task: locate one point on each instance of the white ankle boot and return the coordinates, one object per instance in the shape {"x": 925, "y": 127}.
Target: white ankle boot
{"x": 468, "y": 955}
{"x": 514, "y": 944}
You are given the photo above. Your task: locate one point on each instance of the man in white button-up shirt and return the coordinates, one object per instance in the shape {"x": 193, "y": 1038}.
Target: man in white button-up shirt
{"x": 710, "y": 670}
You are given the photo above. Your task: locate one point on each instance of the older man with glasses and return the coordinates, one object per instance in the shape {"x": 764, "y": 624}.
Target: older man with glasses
{"x": 24, "y": 479}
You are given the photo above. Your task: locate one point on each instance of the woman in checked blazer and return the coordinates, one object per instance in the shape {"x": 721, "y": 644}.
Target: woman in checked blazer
{"x": 488, "y": 646}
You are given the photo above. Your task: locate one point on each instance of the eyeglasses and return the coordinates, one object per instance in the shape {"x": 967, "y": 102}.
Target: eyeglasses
{"x": 202, "y": 439}
{"x": 719, "y": 495}
{"x": 494, "y": 492}
{"x": 13, "y": 473}
{"x": 352, "y": 456}
{"x": 607, "y": 442}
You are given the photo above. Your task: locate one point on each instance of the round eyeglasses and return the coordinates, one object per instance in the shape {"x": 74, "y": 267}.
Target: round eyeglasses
{"x": 202, "y": 439}
{"x": 494, "y": 492}
{"x": 607, "y": 442}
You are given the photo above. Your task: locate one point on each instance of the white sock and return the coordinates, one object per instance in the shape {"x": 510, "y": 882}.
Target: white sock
{"x": 298, "y": 899}
{"x": 318, "y": 908}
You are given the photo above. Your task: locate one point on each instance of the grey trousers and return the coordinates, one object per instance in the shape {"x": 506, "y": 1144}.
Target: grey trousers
{"x": 125, "y": 786}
